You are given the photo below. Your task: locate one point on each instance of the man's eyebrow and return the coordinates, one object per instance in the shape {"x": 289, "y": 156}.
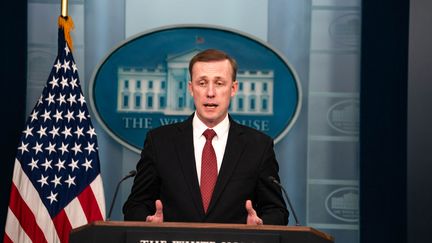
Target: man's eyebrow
{"x": 202, "y": 77}
{"x": 217, "y": 78}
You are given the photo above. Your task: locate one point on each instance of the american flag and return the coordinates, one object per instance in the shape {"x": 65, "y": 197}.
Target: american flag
{"x": 56, "y": 184}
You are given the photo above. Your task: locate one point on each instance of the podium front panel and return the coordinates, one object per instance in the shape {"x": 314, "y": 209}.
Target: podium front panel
{"x": 155, "y": 235}
{"x": 141, "y": 232}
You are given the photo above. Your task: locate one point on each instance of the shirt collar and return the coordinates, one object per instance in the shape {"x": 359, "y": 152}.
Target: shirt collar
{"x": 199, "y": 127}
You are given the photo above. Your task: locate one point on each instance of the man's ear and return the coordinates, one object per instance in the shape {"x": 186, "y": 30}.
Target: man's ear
{"x": 234, "y": 88}
{"x": 190, "y": 88}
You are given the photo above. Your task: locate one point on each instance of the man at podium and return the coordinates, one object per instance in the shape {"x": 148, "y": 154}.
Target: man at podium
{"x": 207, "y": 168}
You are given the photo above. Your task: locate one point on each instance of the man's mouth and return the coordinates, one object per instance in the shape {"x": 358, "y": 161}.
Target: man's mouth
{"x": 210, "y": 105}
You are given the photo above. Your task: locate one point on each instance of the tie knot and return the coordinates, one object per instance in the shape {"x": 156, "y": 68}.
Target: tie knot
{"x": 209, "y": 134}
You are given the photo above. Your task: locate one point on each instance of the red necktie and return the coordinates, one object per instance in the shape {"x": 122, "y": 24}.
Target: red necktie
{"x": 208, "y": 169}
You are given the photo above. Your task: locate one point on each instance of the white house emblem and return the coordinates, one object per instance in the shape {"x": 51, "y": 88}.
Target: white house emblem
{"x": 142, "y": 84}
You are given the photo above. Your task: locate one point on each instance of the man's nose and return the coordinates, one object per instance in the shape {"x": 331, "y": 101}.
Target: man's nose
{"x": 211, "y": 90}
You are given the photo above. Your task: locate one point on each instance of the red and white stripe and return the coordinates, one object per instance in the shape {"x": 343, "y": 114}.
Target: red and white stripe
{"x": 29, "y": 221}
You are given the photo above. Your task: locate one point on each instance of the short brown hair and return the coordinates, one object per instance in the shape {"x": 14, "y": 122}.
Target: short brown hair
{"x": 210, "y": 55}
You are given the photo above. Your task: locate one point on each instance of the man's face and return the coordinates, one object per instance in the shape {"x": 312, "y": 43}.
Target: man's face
{"x": 212, "y": 88}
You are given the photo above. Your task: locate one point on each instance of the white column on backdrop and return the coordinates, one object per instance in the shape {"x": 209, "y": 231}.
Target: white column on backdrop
{"x": 104, "y": 29}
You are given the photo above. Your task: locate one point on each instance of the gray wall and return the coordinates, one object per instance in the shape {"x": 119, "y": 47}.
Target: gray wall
{"x": 419, "y": 163}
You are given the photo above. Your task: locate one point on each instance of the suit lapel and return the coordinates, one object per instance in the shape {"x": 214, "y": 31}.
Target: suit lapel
{"x": 234, "y": 147}
{"x": 185, "y": 152}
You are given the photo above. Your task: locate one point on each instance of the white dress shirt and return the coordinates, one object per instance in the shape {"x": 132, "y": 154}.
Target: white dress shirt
{"x": 219, "y": 141}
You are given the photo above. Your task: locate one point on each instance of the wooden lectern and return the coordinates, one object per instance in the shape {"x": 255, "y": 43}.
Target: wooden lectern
{"x": 142, "y": 232}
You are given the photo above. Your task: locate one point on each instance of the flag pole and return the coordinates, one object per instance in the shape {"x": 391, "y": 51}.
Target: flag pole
{"x": 65, "y": 22}
{"x": 64, "y": 8}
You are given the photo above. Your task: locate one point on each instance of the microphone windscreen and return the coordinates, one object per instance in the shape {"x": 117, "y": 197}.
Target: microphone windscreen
{"x": 132, "y": 173}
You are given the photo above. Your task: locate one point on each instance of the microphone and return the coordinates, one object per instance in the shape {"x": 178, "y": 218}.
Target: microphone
{"x": 132, "y": 173}
{"x": 273, "y": 180}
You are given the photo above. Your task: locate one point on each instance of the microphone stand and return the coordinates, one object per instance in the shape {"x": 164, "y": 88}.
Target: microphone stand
{"x": 132, "y": 173}
{"x": 272, "y": 179}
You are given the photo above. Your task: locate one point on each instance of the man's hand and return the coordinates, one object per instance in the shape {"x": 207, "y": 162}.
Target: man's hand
{"x": 252, "y": 218}
{"x": 158, "y": 216}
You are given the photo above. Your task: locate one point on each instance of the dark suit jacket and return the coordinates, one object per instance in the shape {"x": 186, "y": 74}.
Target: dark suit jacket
{"x": 167, "y": 171}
